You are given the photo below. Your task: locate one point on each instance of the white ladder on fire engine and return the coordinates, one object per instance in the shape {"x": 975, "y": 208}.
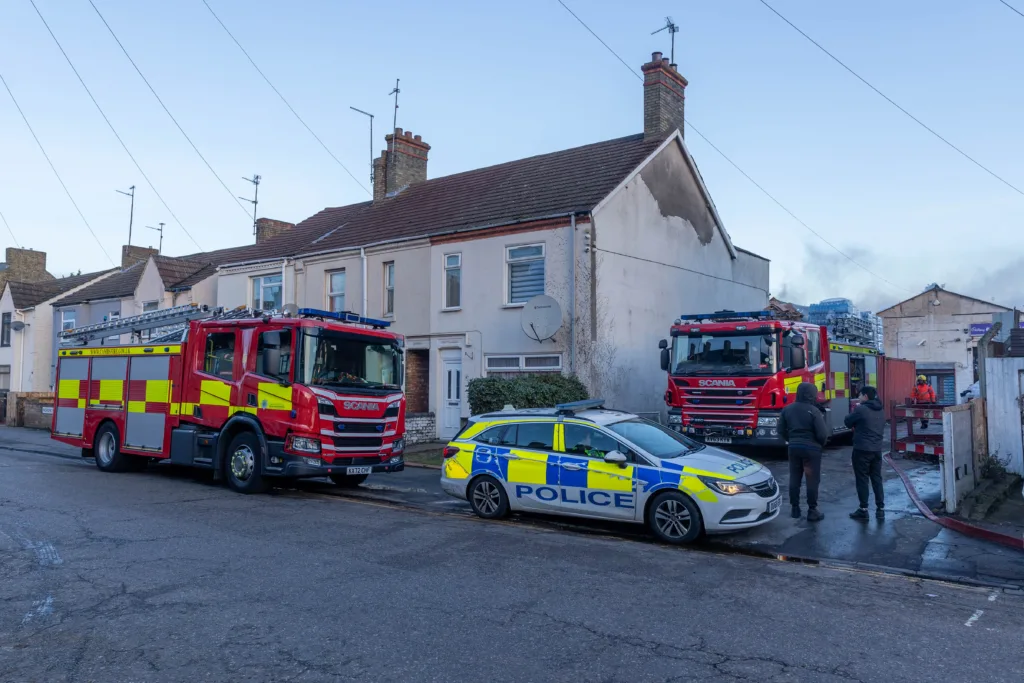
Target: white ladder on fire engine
{"x": 172, "y": 322}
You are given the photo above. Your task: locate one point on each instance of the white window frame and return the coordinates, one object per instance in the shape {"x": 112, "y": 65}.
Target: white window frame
{"x": 64, "y": 320}
{"x": 508, "y": 303}
{"x": 150, "y": 306}
{"x": 444, "y": 280}
{"x": 331, "y": 293}
{"x": 5, "y": 372}
{"x": 258, "y": 281}
{"x": 389, "y": 288}
{"x": 521, "y": 361}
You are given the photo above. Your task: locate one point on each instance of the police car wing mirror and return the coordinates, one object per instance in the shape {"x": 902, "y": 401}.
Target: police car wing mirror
{"x": 615, "y": 457}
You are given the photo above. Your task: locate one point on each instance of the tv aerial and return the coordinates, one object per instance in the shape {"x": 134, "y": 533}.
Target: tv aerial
{"x": 541, "y": 318}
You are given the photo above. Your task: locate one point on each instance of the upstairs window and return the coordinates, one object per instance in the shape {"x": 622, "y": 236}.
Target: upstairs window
{"x": 389, "y": 288}
{"x": 336, "y": 291}
{"x": 5, "y": 330}
{"x": 266, "y": 293}
{"x": 525, "y": 272}
{"x": 67, "y": 320}
{"x": 452, "y": 280}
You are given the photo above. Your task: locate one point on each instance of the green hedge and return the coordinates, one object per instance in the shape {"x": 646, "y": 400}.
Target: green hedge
{"x": 487, "y": 394}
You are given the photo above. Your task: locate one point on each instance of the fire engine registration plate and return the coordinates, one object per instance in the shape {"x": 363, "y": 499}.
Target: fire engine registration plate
{"x": 358, "y": 470}
{"x": 718, "y": 439}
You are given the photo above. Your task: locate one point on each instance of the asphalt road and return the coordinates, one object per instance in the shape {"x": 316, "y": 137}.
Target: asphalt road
{"x": 163, "y": 576}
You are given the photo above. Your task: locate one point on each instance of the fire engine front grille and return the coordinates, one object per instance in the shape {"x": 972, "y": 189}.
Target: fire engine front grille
{"x": 358, "y": 442}
{"x": 358, "y": 427}
{"x": 343, "y": 461}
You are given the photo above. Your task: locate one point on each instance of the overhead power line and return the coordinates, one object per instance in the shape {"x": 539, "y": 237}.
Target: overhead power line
{"x": 111, "y": 125}
{"x": 1012, "y": 7}
{"x": 166, "y": 110}
{"x": 54, "y": 169}
{"x": 286, "y": 103}
{"x": 15, "y": 239}
{"x": 737, "y": 166}
{"x": 888, "y": 99}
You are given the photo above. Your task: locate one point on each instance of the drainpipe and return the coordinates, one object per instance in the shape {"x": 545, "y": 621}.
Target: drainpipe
{"x": 284, "y": 282}
{"x": 983, "y": 348}
{"x": 362, "y": 260}
{"x": 21, "y": 363}
{"x": 572, "y": 294}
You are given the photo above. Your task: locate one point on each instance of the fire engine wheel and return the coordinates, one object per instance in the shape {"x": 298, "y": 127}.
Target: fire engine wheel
{"x": 348, "y": 480}
{"x": 242, "y": 464}
{"x": 107, "y": 451}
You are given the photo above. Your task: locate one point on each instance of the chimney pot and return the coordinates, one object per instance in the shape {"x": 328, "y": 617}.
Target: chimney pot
{"x": 656, "y": 57}
{"x": 398, "y": 132}
{"x": 418, "y": 138}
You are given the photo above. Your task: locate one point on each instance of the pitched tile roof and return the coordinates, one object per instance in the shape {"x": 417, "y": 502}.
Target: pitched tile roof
{"x": 29, "y": 294}
{"x": 552, "y": 184}
{"x": 116, "y": 286}
{"x": 173, "y": 270}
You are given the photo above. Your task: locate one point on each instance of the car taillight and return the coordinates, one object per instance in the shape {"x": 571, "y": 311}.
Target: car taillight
{"x": 450, "y": 451}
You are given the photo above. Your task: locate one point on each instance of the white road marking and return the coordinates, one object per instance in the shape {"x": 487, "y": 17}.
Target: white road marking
{"x": 974, "y": 617}
{"x": 992, "y": 598}
{"x": 40, "y": 608}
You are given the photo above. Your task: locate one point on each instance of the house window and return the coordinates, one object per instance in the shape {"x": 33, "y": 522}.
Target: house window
{"x": 266, "y": 293}
{"x": 219, "y": 358}
{"x": 114, "y": 315}
{"x": 5, "y": 330}
{"x": 149, "y": 307}
{"x": 452, "y": 280}
{"x": 5, "y": 377}
{"x": 336, "y": 291}
{"x": 389, "y": 288}
{"x": 525, "y": 268}
{"x": 67, "y": 320}
{"x": 545, "y": 363}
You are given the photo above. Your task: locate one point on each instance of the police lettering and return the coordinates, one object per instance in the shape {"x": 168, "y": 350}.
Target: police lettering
{"x": 576, "y": 496}
{"x": 740, "y": 465}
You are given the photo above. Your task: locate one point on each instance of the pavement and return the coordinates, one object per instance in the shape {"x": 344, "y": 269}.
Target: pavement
{"x": 905, "y": 542}
{"x": 165, "y": 576}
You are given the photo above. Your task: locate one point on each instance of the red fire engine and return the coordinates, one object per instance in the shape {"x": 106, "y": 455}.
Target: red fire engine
{"x": 731, "y": 374}
{"x": 249, "y": 395}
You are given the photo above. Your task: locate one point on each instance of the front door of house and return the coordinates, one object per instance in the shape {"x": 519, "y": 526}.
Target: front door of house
{"x": 451, "y": 394}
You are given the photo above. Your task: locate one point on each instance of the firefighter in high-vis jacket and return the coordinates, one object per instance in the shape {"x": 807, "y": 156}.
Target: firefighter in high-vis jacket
{"x": 923, "y": 393}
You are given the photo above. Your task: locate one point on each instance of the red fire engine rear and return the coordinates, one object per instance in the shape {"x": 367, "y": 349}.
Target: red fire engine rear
{"x": 251, "y": 396}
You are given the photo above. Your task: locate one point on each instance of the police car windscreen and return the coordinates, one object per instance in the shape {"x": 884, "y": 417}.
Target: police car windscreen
{"x": 728, "y": 353}
{"x": 655, "y": 439}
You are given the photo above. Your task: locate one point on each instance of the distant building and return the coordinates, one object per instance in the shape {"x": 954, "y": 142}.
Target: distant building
{"x": 847, "y": 323}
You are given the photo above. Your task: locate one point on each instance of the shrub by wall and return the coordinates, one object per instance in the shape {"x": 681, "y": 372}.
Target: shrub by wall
{"x": 487, "y": 394}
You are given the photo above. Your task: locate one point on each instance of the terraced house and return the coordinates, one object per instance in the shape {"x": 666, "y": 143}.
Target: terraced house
{"x": 622, "y": 234}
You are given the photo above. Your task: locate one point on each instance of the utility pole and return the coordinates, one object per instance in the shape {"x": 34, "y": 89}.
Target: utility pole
{"x": 672, "y": 29}
{"x": 160, "y": 249}
{"x": 131, "y": 216}
{"x": 255, "y": 180}
{"x": 366, "y": 113}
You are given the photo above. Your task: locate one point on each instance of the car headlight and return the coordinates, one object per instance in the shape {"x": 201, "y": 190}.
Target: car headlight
{"x": 675, "y": 419}
{"x": 395, "y": 404}
{"x": 304, "y": 444}
{"x": 768, "y": 422}
{"x": 728, "y": 488}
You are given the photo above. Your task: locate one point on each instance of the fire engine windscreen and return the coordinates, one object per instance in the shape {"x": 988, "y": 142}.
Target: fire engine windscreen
{"x": 727, "y": 353}
{"x": 335, "y": 359}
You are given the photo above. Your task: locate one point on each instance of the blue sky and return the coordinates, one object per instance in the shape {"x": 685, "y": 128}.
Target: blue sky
{"x": 489, "y": 82}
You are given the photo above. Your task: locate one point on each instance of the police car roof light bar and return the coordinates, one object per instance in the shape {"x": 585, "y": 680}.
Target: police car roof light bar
{"x": 343, "y": 316}
{"x": 729, "y": 315}
{"x": 574, "y": 406}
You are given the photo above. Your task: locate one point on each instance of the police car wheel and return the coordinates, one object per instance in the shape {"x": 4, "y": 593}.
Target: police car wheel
{"x": 242, "y": 466}
{"x": 348, "y": 480}
{"x": 487, "y": 498}
{"x": 674, "y": 518}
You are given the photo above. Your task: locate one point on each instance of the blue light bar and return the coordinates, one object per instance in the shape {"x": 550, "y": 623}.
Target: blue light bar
{"x": 570, "y": 408}
{"x": 344, "y": 317}
{"x": 729, "y": 315}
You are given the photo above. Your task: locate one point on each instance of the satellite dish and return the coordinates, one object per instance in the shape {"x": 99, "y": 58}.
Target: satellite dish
{"x": 541, "y": 318}
{"x": 290, "y": 310}
{"x": 17, "y": 326}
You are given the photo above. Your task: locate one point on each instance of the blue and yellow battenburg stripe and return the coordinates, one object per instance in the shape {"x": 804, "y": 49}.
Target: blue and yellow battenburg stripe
{"x": 520, "y": 466}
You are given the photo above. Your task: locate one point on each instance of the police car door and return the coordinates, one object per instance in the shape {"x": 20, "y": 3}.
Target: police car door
{"x": 589, "y": 485}
{"x": 531, "y": 471}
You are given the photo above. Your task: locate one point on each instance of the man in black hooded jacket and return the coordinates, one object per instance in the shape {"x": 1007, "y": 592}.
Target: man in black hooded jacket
{"x": 868, "y": 424}
{"x": 802, "y": 425}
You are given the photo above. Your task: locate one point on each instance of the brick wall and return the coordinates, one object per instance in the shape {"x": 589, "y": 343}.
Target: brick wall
{"x": 403, "y": 164}
{"x": 25, "y": 409}
{"x": 420, "y": 428}
{"x": 663, "y": 97}
{"x": 24, "y": 265}
{"x": 268, "y": 227}
{"x": 131, "y": 254}
{"x": 417, "y": 381}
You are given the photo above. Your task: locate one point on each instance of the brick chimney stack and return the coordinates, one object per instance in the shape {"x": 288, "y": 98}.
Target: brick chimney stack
{"x": 404, "y": 163}
{"x": 663, "y": 98}
{"x": 131, "y": 254}
{"x": 23, "y": 265}
{"x": 268, "y": 227}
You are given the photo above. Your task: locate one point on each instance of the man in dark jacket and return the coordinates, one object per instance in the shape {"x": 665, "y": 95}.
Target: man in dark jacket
{"x": 802, "y": 424}
{"x": 868, "y": 424}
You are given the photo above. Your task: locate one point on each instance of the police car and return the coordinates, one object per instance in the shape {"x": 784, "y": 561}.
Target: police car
{"x": 583, "y": 460}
